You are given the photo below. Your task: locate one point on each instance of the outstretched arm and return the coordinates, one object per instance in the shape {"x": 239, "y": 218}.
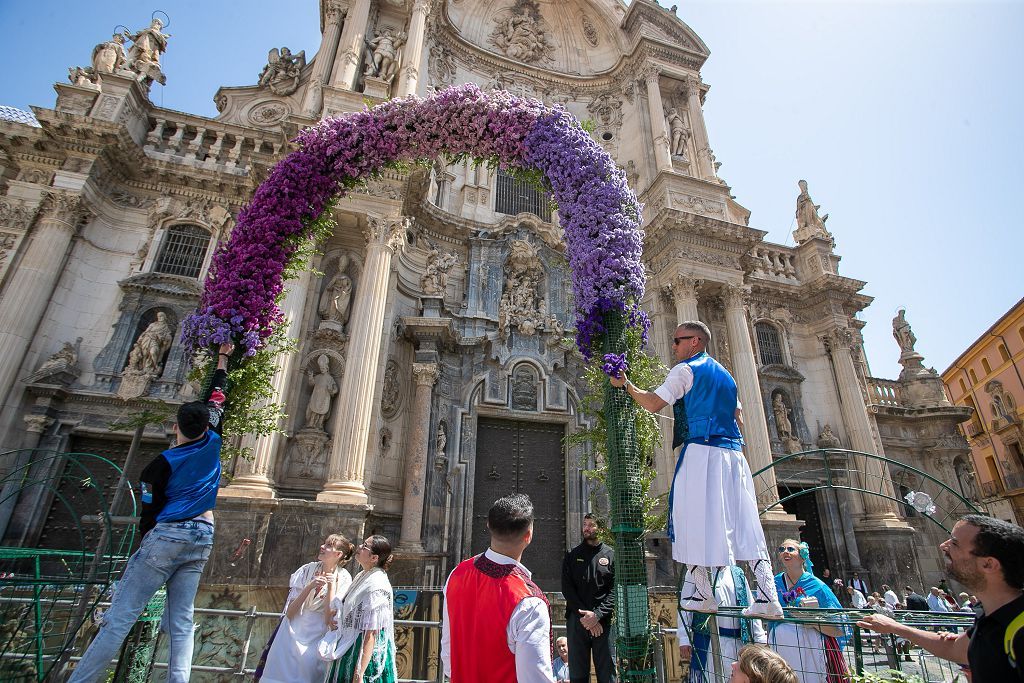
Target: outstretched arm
{"x": 941, "y": 645}
{"x": 646, "y": 399}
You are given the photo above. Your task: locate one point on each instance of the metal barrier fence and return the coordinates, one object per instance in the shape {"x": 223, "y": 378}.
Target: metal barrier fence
{"x": 422, "y": 637}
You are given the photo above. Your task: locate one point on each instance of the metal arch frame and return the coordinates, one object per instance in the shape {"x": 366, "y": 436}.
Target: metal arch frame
{"x": 70, "y": 598}
{"x": 829, "y": 483}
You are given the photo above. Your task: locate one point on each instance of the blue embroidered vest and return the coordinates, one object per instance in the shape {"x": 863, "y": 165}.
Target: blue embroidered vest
{"x": 710, "y": 405}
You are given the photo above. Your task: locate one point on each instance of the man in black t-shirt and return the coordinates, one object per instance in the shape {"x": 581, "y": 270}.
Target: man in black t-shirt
{"x": 987, "y": 556}
{"x": 588, "y": 578}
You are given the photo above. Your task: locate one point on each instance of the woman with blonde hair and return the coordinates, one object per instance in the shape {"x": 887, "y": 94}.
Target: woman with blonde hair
{"x": 291, "y": 654}
{"x": 759, "y": 664}
{"x": 364, "y": 640}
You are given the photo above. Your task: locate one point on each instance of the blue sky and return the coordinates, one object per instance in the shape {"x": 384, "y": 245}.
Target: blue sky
{"x": 904, "y": 117}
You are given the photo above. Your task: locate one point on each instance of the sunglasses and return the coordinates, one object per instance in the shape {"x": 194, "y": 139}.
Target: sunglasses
{"x": 787, "y": 549}
{"x": 676, "y": 340}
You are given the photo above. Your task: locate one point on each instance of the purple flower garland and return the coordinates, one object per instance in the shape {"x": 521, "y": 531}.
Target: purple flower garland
{"x": 599, "y": 214}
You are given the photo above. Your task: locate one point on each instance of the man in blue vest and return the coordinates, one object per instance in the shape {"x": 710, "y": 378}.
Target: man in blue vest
{"x": 713, "y": 517}
{"x": 178, "y": 491}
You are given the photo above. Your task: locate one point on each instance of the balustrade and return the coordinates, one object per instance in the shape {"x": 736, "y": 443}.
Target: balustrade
{"x": 210, "y": 145}
{"x": 770, "y": 261}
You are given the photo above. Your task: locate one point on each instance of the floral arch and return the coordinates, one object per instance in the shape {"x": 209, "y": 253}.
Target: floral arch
{"x": 599, "y": 215}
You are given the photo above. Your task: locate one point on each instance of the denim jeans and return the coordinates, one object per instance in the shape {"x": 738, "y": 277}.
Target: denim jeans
{"x": 173, "y": 553}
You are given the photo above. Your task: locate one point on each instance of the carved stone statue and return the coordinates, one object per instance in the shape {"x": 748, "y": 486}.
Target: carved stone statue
{"x": 902, "y": 333}
{"x": 82, "y": 76}
{"x": 146, "y": 356}
{"x": 519, "y": 308}
{"x": 64, "y": 360}
{"x": 439, "y": 265}
{"x": 108, "y": 57}
{"x": 281, "y": 74}
{"x": 782, "y": 424}
{"x": 324, "y": 389}
{"x": 808, "y": 222}
{"x": 144, "y": 55}
{"x": 383, "y": 62}
{"x": 521, "y": 35}
{"x": 336, "y": 300}
{"x": 679, "y": 134}
{"x": 441, "y": 441}
{"x": 827, "y": 438}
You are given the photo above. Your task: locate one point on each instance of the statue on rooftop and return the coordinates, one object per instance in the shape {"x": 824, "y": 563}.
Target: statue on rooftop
{"x": 144, "y": 55}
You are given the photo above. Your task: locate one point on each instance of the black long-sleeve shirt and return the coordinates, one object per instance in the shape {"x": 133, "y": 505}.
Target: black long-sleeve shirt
{"x": 588, "y": 580}
{"x": 157, "y": 474}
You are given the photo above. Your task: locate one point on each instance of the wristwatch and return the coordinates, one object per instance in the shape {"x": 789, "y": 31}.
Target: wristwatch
{"x": 627, "y": 385}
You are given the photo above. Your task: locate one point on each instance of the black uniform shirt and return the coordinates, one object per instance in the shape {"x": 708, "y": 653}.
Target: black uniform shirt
{"x": 588, "y": 577}
{"x": 986, "y": 654}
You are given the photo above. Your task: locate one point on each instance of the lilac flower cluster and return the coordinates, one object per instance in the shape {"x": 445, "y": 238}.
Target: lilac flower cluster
{"x": 614, "y": 364}
{"x": 599, "y": 213}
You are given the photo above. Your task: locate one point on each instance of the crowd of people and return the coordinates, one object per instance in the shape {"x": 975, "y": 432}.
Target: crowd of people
{"x": 496, "y": 622}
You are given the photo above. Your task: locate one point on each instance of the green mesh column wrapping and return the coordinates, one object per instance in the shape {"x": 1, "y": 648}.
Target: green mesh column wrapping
{"x": 634, "y": 645}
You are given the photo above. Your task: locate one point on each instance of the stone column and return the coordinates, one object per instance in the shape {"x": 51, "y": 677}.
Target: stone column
{"x": 659, "y": 127}
{"x": 31, "y": 284}
{"x": 426, "y": 375}
{"x": 351, "y": 423}
{"x": 334, "y": 13}
{"x": 755, "y": 426}
{"x": 253, "y": 478}
{"x": 412, "y": 57}
{"x": 684, "y": 289}
{"x": 352, "y": 40}
{"x": 705, "y": 169}
{"x": 858, "y": 427}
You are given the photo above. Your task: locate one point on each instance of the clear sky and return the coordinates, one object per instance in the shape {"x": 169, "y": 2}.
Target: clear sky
{"x": 904, "y": 118}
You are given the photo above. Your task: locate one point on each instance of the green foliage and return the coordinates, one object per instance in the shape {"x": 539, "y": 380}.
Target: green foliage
{"x": 149, "y": 413}
{"x": 645, "y": 371}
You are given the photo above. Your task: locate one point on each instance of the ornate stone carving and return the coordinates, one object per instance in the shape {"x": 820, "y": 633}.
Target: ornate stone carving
{"x": 440, "y": 443}
{"x": 391, "y": 393}
{"x": 64, "y": 208}
{"x": 382, "y": 54}
{"x": 268, "y": 114}
{"x": 903, "y": 333}
{"x": 685, "y": 287}
{"x": 109, "y": 57}
{"x": 524, "y": 389}
{"x": 7, "y": 242}
{"x": 324, "y": 389}
{"x": 385, "y": 442}
{"x": 441, "y": 67}
{"x": 388, "y": 232}
{"x": 336, "y": 300}
{"x": 519, "y": 308}
{"x": 62, "y": 365}
{"x": 783, "y": 425}
{"x": 735, "y": 296}
{"x": 523, "y": 34}
{"x": 607, "y": 111}
{"x": 199, "y": 209}
{"x": 808, "y": 223}
{"x": 37, "y": 424}
{"x": 827, "y": 438}
{"x": 83, "y": 77}
{"x": 144, "y": 56}
{"x": 15, "y": 214}
{"x": 679, "y": 133}
{"x": 220, "y": 100}
{"x": 281, "y": 74}
{"x": 589, "y": 31}
{"x": 439, "y": 264}
{"x": 307, "y": 455}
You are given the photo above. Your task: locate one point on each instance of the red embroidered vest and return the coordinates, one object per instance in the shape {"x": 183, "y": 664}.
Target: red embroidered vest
{"x": 481, "y": 597}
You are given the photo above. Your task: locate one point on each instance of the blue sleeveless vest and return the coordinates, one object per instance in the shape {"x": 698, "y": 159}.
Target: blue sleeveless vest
{"x": 710, "y": 405}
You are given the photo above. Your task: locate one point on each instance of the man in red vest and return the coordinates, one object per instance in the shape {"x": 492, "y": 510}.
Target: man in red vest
{"x": 496, "y": 624}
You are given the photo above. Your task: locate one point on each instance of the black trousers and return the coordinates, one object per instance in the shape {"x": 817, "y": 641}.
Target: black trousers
{"x": 582, "y": 645}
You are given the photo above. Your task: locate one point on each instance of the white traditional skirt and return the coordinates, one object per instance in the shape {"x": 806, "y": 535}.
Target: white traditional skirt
{"x": 803, "y": 649}
{"x": 714, "y": 510}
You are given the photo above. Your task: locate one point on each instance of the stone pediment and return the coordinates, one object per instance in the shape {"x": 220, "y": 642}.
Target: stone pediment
{"x": 269, "y": 103}
{"x": 574, "y": 36}
{"x": 548, "y": 232}
{"x": 781, "y": 372}
{"x": 162, "y": 283}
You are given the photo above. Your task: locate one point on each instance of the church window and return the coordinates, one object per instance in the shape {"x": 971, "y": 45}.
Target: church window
{"x": 769, "y": 344}
{"x": 183, "y": 251}
{"x": 1003, "y": 353}
{"x": 963, "y": 385}
{"x": 515, "y": 196}
{"x": 985, "y": 366}
{"x": 974, "y": 376}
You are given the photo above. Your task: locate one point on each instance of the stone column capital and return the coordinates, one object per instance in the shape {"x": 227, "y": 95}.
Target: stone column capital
{"x": 422, "y": 6}
{"x": 735, "y": 296}
{"x": 386, "y": 232}
{"x": 839, "y": 338}
{"x": 334, "y": 11}
{"x": 64, "y": 208}
{"x": 650, "y": 74}
{"x": 686, "y": 285}
{"x": 425, "y": 374}
{"x": 37, "y": 424}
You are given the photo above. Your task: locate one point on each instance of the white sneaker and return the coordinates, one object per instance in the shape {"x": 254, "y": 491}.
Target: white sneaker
{"x": 695, "y": 604}
{"x": 764, "y": 610}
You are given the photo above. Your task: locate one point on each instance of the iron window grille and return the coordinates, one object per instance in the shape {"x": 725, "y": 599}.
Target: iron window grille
{"x": 517, "y": 196}
{"x": 183, "y": 251}
{"x": 769, "y": 344}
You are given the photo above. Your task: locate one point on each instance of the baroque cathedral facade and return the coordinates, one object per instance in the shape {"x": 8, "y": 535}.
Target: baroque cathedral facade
{"x": 443, "y": 296}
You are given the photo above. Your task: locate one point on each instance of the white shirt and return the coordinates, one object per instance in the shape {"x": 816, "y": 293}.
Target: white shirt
{"x": 937, "y": 604}
{"x": 678, "y": 382}
{"x": 528, "y": 633}
{"x": 891, "y": 598}
{"x": 859, "y": 601}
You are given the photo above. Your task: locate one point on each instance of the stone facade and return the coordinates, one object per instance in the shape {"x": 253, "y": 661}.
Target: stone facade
{"x": 443, "y": 307}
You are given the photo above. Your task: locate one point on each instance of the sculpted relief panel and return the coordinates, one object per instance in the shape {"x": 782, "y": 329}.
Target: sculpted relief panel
{"x": 523, "y": 35}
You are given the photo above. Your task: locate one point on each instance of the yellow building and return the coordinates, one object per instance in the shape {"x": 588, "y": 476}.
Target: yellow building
{"x": 987, "y": 377}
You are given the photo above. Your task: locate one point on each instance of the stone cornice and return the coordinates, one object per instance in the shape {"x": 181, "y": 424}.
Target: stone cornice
{"x": 162, "y": 283}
